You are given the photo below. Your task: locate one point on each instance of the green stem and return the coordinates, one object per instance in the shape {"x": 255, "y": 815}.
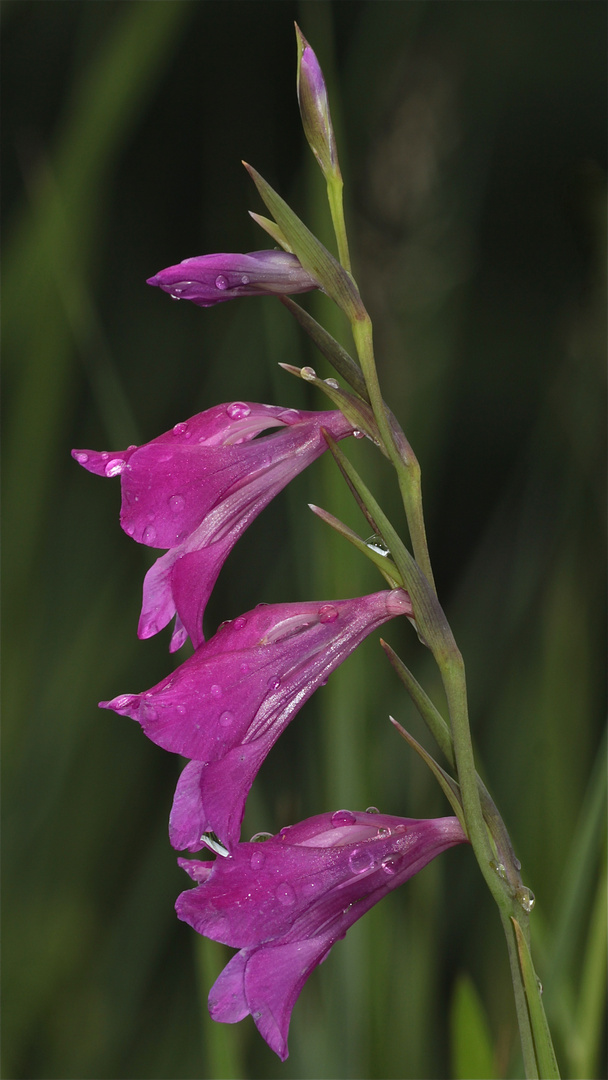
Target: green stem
{"x": 397, "y": 447}
{"x": 336, "y": 205}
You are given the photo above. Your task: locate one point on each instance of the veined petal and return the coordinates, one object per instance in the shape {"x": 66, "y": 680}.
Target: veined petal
{"x": 231, "y": 700}
{"x": 286, "y": 901}
{"x": 198, "y": 487}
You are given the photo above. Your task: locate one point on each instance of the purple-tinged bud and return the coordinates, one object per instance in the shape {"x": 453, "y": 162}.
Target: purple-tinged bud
{"x": 314, "y": 108}
{"x": 211, "y": 279}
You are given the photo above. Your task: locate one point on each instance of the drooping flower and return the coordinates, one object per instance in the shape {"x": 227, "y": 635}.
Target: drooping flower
{"x": 226, "y": 706}
{"x": 196, "y": 488}
{"x": 211, "y": 279}
{"x": 284, "y": 903}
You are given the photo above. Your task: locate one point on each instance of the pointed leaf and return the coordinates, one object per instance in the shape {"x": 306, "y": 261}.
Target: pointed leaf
{"x": 543, "y": 1047}
{"x": 314, "y": 257}
{"x": 331, "y": 349}
{"x": 272, "y": 229}
{"x": 448, "y": 785}
{"x": 385, "y": 565}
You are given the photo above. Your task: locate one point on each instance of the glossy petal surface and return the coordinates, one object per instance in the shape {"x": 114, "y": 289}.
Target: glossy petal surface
{"x": 196, "y": 488}
{"x": 285, "y": 902}
{"x": 226, "y": 705}
{"x": 212, "y": 279}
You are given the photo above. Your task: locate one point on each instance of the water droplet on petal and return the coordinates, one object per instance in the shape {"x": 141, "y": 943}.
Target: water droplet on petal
{"x": 499, "y": 870}
{"x": 130, "y": 529}
{"x": 260, "y": 837}
{"x": 382, "y": 833}
{"x": 274, "y": 683}
{"x": 180, "y": 428}
{"x": 359, "y": 434}
{"x": 149, "y": 534}
{"x": 240, "y": 622}
{"x": 174, "y": 296}
{"x": 177, "y": 503}
{"x": 289, "y": 416}
{"x": 245, "y": 279}
{"x": 221, "y": 282}
{"x": 226, "y": 719}
{"x": 335, "y": 385}
{"x": 372, "y": 810}
{"x": 389, "y": 865}
{"x": 257, "y": 860}
{"x": 328, "y": 613}
{"x": 360, "y": 860}
{"x": 526, "y": 898}
{"x": 343, "y": 817}
{"x": 308, "y": 373}
{"x": 238, "y": 410}
{"x": 285, "y": 894}
{"x": 115, "y": 467}
{"x": 105, "y": 455}
{"x": 81, "y": 458}
{"x": 216, "y": 691}
{"x": 181, "y": 710}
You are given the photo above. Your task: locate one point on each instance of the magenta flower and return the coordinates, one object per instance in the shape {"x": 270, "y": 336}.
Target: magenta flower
{"x": 195, "y": 490}
{"x": 211, "y": 279}
{"x": 226, "y": 706}
{"x": 284, "y": 903}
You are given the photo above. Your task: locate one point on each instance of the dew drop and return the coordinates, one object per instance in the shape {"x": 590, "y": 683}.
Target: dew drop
{"x": 177, "y": 503}
{"x": 260, "y": 837}
{"x": 174, "y": 296}
{"x": 240, "y": 622}
{"x": 359, "y": 434}
{"x": 382, "y": 833}
{"x": 216, "y": 691}
{"x": 238, "y": 410}
{"x": 372, "y": 810}
{"x": 289, "y": 416}
{"x": 81, "y": 458}
{"x": 328, "y": 613}
{"x": 105, "y": 455}
{"x": 335, "y": 385}
{"x": 376, "y": 543}
{"x": 115, "y": 467}
{"x": 149, "y": 534}
{"x": 180, "y": 428}
{"x": 499, "y": 870}
{"x": 245, "y": 279}
{"x": 343, "y": 817}
{"x": 181, "y": 710}
{"x": 526, "y": 898}
{"x": 130, "y": 529}
{"x": 274, "y": 683}
{"x": 244, "y": 668}
{"x": 285, "y": 894}
{"x": 226, "y": 719}
{"x": 221, "y": 282}
{"x": 389, "y": 865}
{"x": 516, "y": 864}
{"x": 308, "y": 374}
{"x": 360, "y": 860}
{"x": 257, "y": 860}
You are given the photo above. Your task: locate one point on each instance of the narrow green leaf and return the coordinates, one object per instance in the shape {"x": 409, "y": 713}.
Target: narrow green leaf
{"x": 315, "y": 258}
{"x": 272, "y": 229}
{"x": 357, "y": 411}
{"x": 385, "y": 565}
{"x": 448, "y": 785}
{"x": 430, "y": 714}
{"x": 329, "y": 347}
{"x": 543, "y": 1047}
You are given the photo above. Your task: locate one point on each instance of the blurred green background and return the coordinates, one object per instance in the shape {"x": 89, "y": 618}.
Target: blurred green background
{"x": 472, "y": 142}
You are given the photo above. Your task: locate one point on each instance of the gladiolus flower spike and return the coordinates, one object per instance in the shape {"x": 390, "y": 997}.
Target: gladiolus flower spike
{"x": 283, "y": 903}
{"x": 227, "y": 705}
{"x": 211, "y": 279}
{"x": 195, "y": 489}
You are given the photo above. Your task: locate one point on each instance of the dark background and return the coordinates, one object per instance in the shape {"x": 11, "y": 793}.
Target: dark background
{"x": 472, "y": 141}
